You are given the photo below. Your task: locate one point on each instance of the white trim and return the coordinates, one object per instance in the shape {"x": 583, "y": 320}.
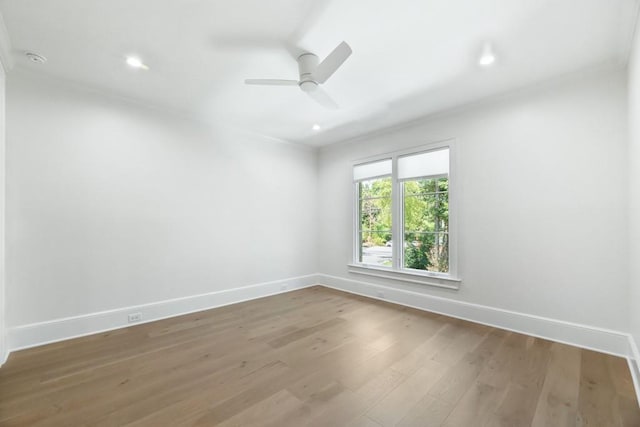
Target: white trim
{"x": 634, "y": 359}
{"x": 589, "y": 337}
{"x": 397, "y": 218}
{"x": 406, "y": 275}
{"x": 35, "y": 334}
{"x": 6, "y": 60}
{"x": 633, "y": 349}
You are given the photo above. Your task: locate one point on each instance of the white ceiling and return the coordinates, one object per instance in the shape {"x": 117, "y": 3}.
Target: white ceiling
{"x": 411, "y": 57}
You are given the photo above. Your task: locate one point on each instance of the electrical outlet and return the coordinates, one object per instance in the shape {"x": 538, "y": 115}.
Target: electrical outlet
{"x": 380, "y": 294}
{"x": 135, "y": 317}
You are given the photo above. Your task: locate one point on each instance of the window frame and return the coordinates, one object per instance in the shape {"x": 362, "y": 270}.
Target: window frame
{"x": 397, "y": 271}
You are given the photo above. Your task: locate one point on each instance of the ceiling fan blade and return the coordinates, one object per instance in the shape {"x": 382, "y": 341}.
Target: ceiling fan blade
{"x": 271, "y": 82}
{"x": 332, "y": 62}
{"x": 322, "y": 98}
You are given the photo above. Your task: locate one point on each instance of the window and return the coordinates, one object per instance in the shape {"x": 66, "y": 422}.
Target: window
{"x": 373, "y": 183}
{"x": 403, "y": 213}
{"x": 425, "y": 205}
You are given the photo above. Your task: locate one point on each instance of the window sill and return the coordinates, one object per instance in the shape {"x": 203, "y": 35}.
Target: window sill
{"x": 406, "y": 276}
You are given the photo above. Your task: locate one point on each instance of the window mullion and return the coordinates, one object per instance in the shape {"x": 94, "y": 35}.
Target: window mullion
{"x": 356, "y": 223}
{"x": 396, "y": 216}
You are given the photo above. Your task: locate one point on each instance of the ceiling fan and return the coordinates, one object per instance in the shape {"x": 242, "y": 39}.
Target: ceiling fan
{"x": 312, "y": 74}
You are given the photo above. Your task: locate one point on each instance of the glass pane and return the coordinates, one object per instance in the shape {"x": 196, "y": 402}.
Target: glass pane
{"x": 443, "y": 184}
{"x": 375, "y": 215}
{"x": 427, "y": 251}
{"x": 375, "y": 248}
{"x": 375, "y": 188}
{"x": 426, "y": 224}
{"x": 374, "y": 211}
{"x": 425, "y": 186}
{"x": 375, "y": 205}
{"x": 426, "y": 205}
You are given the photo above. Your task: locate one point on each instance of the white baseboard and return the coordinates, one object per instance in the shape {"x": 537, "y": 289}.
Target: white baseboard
{"x": 634, "y": 360}
{"x": 589, "y": 337}
{"x": 4, "y": 355}
{"x": 36, "y": 334}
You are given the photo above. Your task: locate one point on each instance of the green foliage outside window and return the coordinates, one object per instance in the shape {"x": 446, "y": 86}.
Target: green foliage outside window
{"x": 375, "y": 211}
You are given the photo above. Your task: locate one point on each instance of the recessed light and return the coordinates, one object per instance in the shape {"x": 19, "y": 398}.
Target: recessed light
{"x": 34, "y": 57}
{"x": 487, "y": 57}
{"x": 316, "y": 127}
{"x": 135, "y": 62}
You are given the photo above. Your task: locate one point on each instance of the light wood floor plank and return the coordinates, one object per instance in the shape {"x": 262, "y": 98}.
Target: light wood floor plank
{"x": 558, "y": 402}
{"x": 395, "y": 405}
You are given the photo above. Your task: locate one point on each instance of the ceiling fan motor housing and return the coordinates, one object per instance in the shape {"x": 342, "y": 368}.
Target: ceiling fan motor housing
{"x": 307, "y": 65}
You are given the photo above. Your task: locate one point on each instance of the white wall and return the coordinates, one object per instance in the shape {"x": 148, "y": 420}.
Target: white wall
{"x": 3, "y": 345}
{"x": 543, "y": 177}
{"x": 111, "y": 204}
{"x": 634, "y": 187}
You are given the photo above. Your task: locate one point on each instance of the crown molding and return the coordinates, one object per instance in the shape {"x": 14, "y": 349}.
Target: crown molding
{"x": 6, "y": 59}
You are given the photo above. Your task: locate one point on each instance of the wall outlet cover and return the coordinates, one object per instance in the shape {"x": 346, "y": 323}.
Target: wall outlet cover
{"x": 134, "y": 317}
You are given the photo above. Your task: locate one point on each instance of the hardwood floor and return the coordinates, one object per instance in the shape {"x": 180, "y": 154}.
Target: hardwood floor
{"x": 314, "y": 357}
